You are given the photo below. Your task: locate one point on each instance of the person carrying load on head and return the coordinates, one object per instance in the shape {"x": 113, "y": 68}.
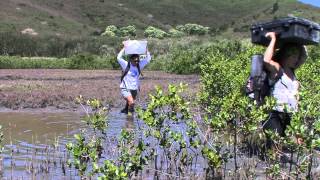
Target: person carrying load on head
{"x": 281, "y": 66}
{"x": 131, "y": 71}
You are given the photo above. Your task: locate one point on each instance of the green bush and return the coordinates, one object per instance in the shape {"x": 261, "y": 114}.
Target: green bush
{"x": 81, "y": 61}
{"x": 109, "y": 34}
{"x": 193, "y": 29}
{"x": 111, "y": 31}
{"x": 127, "y": 31}
{"x": 176, "y": 33}
{"x": 219, "y": 70}
{"x": 15, "y": 62}
{"x": 89, "y": 61}
{"x": 184, "y": 60}
{"x": 181, "y": 28}
{"x": 154, "y": 33}
{"x": 159, "y": 63}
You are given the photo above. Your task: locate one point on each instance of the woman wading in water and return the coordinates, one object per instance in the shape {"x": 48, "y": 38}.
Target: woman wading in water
{"x": 130, "y": 84}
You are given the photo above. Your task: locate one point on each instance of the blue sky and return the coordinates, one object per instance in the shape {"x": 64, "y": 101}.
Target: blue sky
{"x": 312, "y": 2}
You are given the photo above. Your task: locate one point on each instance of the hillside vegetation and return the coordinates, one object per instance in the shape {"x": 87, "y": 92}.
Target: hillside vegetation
{"x": 69, "y": 18}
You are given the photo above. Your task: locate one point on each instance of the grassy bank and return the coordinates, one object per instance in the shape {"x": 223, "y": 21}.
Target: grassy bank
{"x": 101, "y": 55}
{"x": 82, "y": 61}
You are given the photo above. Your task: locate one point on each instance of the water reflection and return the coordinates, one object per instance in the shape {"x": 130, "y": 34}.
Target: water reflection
{"x": 38, "y": 128}
{"x": 35, "y": 141}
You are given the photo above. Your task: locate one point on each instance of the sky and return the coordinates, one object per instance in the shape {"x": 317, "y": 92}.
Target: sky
{"x": 312, "y": 2}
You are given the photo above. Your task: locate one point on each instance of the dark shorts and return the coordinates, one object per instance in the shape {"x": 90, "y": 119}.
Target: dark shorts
{"x": 127, "y": 92}
{"x": 277, "y": 122}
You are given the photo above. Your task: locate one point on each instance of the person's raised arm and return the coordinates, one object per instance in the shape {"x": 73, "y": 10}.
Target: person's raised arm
{"x": 269, "y": 62}
{"x": 146, "y": 60}
{"x": 123, "y": 63}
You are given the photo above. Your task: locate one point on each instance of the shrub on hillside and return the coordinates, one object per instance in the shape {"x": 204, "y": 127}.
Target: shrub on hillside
{"x": 154, "y": 32}
{"x": 175, "y": 33}
{"x": 111, "y": 31}
{"x": 181, "y": 28}
{"x": 127, "y": 31}
{"x": 193, "y": 29}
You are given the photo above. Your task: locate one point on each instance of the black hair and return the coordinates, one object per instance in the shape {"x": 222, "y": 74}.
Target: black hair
{"x": 283, "y": 51}
{"x": 133, "y": 56}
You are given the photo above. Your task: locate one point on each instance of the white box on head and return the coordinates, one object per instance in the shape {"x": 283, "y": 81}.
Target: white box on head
{"x": 135, "y": 47}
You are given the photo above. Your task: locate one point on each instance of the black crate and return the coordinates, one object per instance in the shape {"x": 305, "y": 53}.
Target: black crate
{"x": 288, "y": 30}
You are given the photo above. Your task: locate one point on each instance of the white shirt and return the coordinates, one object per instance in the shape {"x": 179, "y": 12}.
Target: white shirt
{"x": 285, "y": 91}
{"x": 131, "y": 79}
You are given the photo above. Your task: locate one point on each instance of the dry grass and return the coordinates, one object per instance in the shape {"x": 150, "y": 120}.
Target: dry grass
{"x": 41, "y": 88}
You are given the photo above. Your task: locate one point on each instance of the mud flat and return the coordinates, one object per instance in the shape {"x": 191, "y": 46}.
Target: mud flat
{"x": 56, "y": 89}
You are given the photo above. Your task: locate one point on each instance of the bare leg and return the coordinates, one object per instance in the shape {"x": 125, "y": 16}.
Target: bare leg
{"x": 130, "y": 102}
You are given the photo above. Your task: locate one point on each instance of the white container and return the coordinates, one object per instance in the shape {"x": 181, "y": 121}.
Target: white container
{"x": 135, "y": 47}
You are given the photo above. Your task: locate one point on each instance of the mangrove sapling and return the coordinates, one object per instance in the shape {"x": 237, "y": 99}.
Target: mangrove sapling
{"x": 211, "y": 148}
{"x": 165, "y": 115}
{"x": 96, "y": 113}
{"x": 305, "y": 125}
{"x": 131, "y": 159}
{"x": 236, "y": 114}
{"x": 302, "y": 137}
{"x": 87, "y": 152}
{"x": 132, "y": 156}
{"x": 84, "y": 152}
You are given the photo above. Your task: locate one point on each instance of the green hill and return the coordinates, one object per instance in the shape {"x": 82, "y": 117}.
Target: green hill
{"x": 87, "y": 17}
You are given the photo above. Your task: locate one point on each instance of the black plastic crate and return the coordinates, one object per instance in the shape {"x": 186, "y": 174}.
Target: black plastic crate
{"x": 291, "y": 29}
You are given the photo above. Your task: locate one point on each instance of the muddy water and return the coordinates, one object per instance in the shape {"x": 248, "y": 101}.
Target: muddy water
{"x": 34, "y": 144}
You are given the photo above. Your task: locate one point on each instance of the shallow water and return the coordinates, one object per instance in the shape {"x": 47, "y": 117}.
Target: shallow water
{"x": 34, "y": 142}
{"x": 34, "y": 145}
